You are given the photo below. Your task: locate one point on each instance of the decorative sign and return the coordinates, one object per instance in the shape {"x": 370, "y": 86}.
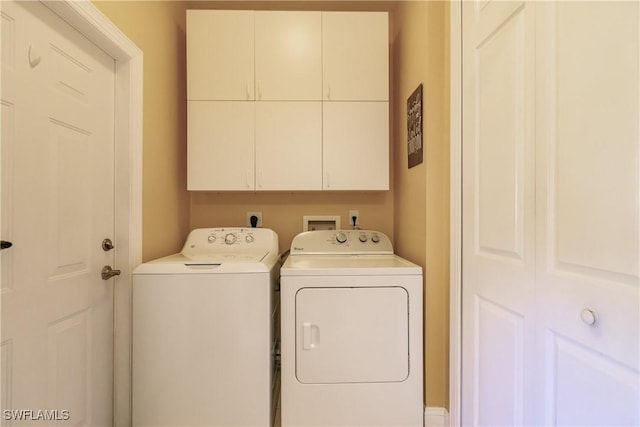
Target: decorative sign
{"x": 414, "y": 127}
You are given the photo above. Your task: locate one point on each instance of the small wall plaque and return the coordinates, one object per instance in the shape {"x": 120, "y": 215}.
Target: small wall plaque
{"x": 414, "y": 127}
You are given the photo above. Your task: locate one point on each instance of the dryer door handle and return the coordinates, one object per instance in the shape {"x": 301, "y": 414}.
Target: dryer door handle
{"x": 310, "y": 336}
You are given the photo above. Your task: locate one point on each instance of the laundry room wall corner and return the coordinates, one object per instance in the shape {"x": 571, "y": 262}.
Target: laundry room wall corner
{"x": 420, "y": 51}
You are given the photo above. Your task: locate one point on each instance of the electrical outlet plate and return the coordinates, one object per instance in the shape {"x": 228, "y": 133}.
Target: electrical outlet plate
{"x": 258, "y": 214}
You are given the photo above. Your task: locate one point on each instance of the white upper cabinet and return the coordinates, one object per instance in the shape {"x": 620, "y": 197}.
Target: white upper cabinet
{"x": 220, "y": 148}
{"x": 220, "y": 55}
{"x": 355, "y": 122}
{"x": 257, "y": 115}
{"x": 355, "y": 146}
{"x": 355, "y": 56}
{"x": 288, "y": 56}
{"x": 288, "y": 145}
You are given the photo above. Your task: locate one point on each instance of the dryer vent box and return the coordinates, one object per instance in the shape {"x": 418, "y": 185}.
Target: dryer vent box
{"x": 320, "y": 222}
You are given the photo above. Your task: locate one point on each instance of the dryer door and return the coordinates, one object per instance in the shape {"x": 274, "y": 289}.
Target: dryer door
{"x": 352, "y": 335}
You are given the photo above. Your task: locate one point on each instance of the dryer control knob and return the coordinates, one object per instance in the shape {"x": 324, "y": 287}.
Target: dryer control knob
{"x": 363, "y": 238}
{"x": 230, "y": 239}
{"x": 341, "y": 237}
{"x": 375, "y": 238}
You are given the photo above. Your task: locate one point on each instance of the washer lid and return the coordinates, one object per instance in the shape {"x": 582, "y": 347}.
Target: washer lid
{"x": 348, "y": 265}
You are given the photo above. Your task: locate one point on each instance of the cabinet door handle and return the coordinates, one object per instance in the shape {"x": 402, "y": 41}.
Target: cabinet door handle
{"x": 246, "y": 86}
{"x": 259, "y": 90}
{"x": 248, "y": 179}
{"x": 328, "y": 92}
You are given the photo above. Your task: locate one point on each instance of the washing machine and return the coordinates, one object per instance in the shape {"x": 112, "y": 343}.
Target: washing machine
{"x": 351, "y": 330}
{"x": 205, "y": 325}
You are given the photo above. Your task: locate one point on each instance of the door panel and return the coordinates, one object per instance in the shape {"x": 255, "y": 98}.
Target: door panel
{"x": 588, "y": 212}
{"x": 57, "y": 207}
{"x": 69, "y": 200}
{"x": 499, "y": 359}
{"x": 551, "y": 196}
{"x": 498, "y": 196}
{"x": 69, "y": 381}
{"x": 500, "y": 140}
{"x": 601, "y": 74}
{"x": 586, "y": 388}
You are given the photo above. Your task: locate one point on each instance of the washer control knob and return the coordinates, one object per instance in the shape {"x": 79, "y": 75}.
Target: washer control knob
{"x": 375, "y": 238}
{"x": 249, "y": 238}
{"x": 230, "y": 239}
{"x": 363, "y": 238}
{"x": 341, "y": 237}
{"x": 211, "y": 238}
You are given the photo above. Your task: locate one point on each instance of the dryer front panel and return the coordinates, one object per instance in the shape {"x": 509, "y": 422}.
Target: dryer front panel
{"x": 352, "y": 335}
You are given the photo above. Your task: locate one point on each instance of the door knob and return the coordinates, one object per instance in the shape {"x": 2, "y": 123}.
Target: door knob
{"x": 5, "y": 245}
{"x": 589, "y": 316}
{"x": 108, "y": 272}
{"x": 107, "y": 245}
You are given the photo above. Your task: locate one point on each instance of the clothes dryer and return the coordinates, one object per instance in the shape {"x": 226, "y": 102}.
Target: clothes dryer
{"x": 351, "y": 332}
{"x": 205, "y": 330}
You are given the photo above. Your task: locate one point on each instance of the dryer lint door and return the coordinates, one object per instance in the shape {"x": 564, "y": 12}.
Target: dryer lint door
{"x": 352, "y": 335}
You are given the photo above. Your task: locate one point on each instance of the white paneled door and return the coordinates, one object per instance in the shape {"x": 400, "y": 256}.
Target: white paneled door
{"x": 551, "y": 208}
{"x": 57, "y": 207}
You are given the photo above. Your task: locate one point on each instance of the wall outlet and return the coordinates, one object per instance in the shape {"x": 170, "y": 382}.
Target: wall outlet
{"x": 257, "y": 215}
{"x": 354, "y": 213}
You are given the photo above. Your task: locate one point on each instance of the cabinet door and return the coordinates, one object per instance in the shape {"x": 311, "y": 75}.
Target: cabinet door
{"x": 220, "y": 141}
{"x": 355, "y": 56}
{"x": 288, "y": 145}
{"x": 356, "y": 145}
{"x": 220, "y": 55}
{"x": 288, "y": 56}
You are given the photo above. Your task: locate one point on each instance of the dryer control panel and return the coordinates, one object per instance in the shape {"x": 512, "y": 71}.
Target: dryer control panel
{"x": 354, "y": 242}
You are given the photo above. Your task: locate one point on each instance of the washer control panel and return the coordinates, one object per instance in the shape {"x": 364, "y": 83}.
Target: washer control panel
{"x": 341, "y": 242}
{"x": 232, "y": 239}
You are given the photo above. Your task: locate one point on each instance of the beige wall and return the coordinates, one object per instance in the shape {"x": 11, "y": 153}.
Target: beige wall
{"x": 414, "y": 213}
{"x": 283, "y": 211}
{"x": 157, "y": 27}
{"x": 421, "y": 194}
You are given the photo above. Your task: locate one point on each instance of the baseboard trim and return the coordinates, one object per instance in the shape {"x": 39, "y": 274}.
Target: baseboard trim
{"x": 436, "y": 417}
